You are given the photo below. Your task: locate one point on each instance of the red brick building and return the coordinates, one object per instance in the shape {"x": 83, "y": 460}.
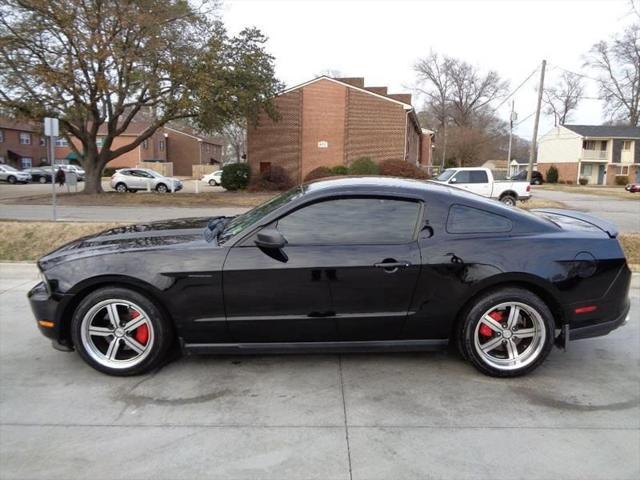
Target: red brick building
{"x": 330, "y": 122}
{"x": 22, "y": 144}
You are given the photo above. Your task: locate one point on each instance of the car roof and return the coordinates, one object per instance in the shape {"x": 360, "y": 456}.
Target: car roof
{"x": 374, "y": 183}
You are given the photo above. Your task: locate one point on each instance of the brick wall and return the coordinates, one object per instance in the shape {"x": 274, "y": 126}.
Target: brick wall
{"x": 323, "y": 119}
{"x": 11, "y": 143}
{"x": 375, "y": 128}
{"x": 278, "y": 143}
{"x": 425, "y": 149}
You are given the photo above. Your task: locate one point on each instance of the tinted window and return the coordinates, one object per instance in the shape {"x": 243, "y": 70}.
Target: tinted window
{"x": 471, "y": 176}
{"x": 352, "y": 221}
{"x": 463, "y": 219}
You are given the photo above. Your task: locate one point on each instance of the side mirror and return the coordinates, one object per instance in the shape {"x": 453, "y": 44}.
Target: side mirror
{"x": 453, "y": 180}
{"x": 270, "y": 238}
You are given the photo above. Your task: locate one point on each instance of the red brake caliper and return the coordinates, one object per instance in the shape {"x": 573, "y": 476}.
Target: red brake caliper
{"x": 142, "y": 332}
{"x": 485, "y": 330}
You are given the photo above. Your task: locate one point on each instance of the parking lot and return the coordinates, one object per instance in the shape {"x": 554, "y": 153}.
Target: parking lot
{"x": 423, "y": 415}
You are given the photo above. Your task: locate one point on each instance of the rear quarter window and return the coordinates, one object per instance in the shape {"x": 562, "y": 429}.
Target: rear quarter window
{"x": 464, "y": 219}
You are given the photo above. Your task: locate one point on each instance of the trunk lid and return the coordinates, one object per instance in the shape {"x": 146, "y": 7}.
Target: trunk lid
{"x": 578, "y": 221}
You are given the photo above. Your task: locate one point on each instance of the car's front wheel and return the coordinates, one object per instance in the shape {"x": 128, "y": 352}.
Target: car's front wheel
{"x": 162, "y": 188}
{"x": 120, "y": 332}
{"x": 42, "y": 180}
{"x": 11, "y": 179}
{"x": 213, "y": 183}
{"x": 507, "y": 332}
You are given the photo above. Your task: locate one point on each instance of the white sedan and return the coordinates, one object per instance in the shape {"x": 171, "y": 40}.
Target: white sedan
{"x": 213, "y": 178}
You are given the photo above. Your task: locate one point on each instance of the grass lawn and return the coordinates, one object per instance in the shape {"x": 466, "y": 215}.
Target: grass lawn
{"x": 540, "y": 203}
{"x": 27, "y": 241}
{"x": 618, "y": 192}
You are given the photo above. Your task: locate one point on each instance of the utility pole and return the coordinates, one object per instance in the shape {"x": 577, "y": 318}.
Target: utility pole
{"x": 512, "y": 118}
{"x": 51, "y": 130}
{"x": 532, "y": 153}
{"x": 444, "y": 144}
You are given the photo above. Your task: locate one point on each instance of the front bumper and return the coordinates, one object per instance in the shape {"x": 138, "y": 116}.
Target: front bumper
{"x": 46, "y": 310}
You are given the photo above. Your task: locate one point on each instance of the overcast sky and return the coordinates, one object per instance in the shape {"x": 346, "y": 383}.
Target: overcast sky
{"x": 381, "y": 40}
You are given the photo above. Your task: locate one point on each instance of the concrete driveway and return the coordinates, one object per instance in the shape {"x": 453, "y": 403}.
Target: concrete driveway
{"x": 624, "y": 213}
{"x": 408, "y": 416}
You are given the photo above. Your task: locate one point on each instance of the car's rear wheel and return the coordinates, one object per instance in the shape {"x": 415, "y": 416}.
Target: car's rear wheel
{"x": 507, "y": 332}
{"x": 162, "y": 188}
{"x": 508, "y": 200}
{"x": 537, "y": 181}
{"x": 120, "y": 332}
{"x": 213, "y": 183}
{"x": 42, "y": 180}
{"x": 121, "y": 188}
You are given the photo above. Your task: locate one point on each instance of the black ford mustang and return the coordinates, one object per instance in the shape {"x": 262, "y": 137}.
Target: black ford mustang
{"x": 352, "y": 264}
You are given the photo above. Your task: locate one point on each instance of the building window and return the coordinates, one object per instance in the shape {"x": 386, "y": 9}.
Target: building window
{"x": 1, "y": 160}
{"x": 161, "y": 145}
{"x": 626, "y": 146}
{"x": 26, "y": 162}
{"x": 43, "y": 161}
{"x": 43, "y": 142}
{"x": 586, "y": 170}
{"x": 145, "y": 144}
{"x": 1, "y": 136}
{"x": 25, "y": 138}
{"x": 594, "y": 145}
{"x": 99, "y": 142}
{"x": 61, "y": 142}
{"x": 622, "y": 170}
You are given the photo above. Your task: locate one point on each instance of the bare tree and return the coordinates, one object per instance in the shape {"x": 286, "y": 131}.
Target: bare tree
{"x": 235, "y": 137}
{"x": 563, "y": 98}
{"x": 618, "y": 63}
{"x": 435, "y": 72}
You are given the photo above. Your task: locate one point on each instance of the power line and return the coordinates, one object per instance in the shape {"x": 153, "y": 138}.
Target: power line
{"x": 517, "y": 88}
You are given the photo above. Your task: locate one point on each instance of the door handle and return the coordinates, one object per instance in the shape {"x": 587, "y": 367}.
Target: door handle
{"x": 391, "y": 266}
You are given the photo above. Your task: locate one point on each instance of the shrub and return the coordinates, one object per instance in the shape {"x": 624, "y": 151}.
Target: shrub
{"x": 274, "y": 179}
{"x": 108, "y": 172}
{"x": 339, "y": 170}
{"x": 552, "y": 175}
{"x": 320, "y": 172}
{"x": 400, "y": 168}
{"x": 235, "y": 176}
{"x": 569, "y": 182}
{"x": 622, "y": 179}
{"x": 583, "y": 180}
{"x": 363, "y": 166}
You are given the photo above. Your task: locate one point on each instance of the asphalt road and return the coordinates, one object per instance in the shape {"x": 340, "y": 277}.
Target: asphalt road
{"x": 624, "y": 213}
{"x": 408, "y": 416}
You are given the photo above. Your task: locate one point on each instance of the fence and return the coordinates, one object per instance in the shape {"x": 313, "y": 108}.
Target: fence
{"x": 163, "y": 168}
{"x": 198, "y": 171}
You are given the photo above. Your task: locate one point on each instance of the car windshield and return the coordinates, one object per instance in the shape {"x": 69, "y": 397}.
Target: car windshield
{"x": 241, "y": 222}
{"x": 444, "y": 176}
{"x": 9, "y": 168}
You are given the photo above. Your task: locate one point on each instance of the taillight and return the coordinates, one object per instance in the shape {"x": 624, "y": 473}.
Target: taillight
{"x": 528, "y": 188}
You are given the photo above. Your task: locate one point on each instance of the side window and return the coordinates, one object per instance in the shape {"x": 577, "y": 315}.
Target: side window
{"x": 463, "y": 176}
{"x": 352, "y": 221}
{"x": 478, "y": 176}
{"x": 463, "y": 219}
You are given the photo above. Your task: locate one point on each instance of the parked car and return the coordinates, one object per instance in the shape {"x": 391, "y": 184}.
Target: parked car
{"x": 633, "y": 187}
{"x": 350, "y": 264}
{"x": 482, "y": 182}
{"x": 12, "y": 175}
{"x": 213, "y": 178}
{"x": 79, "y": 172}
{"x": 536, "y": 177}
{"x": 40, "y": 174}
{"x": 134, "y": 179}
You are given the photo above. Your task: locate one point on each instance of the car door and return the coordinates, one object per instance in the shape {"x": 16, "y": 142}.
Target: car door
{"x": 368, "y": 253}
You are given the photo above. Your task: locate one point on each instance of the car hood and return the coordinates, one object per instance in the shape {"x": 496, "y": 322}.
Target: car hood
{"x": 142, "y": 236}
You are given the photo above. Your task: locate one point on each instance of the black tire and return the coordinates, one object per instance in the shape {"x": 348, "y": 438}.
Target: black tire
{"x": 537, "y": 182}
{"x": 11, "y": 179}
{"x": 213, "y": 183}
{"x": 162, "y": 331}
{"x": 162, "y": 188}
{"x": 472, "y": 315}
{"x": 42, "y": 180}
{"x": 509, "y": 200}
{"x": 121, "y": 188}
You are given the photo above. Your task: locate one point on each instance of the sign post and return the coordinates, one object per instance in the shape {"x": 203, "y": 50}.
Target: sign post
{"x": 51, "y": 130}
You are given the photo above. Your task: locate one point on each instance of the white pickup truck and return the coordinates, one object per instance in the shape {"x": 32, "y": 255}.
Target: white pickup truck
{"x": 482, "y": 182}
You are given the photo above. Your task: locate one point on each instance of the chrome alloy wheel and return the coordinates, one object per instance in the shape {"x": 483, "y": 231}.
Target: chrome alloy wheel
{"x": 117, "y": 333}
{"x": 510, "y": 336}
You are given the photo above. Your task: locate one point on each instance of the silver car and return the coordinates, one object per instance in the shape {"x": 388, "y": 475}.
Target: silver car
{"x": 80, "y": 173}
{"x": 134, "y": 179}
{"x": 13, "y": 175}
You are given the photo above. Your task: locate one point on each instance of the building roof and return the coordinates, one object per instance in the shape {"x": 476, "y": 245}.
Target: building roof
{"x": 605, "y": 131}
{"x": 135, "y": 128}
{"x": 25, "y": 126}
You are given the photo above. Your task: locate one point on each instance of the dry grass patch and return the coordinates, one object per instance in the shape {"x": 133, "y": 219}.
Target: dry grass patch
{"x": 205, "y": 199}
{"x": 540, "y": 203}
{"x": 618, "y": 192}
{"x": 631, "y": 245}
{"x": 22, "y": 241}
